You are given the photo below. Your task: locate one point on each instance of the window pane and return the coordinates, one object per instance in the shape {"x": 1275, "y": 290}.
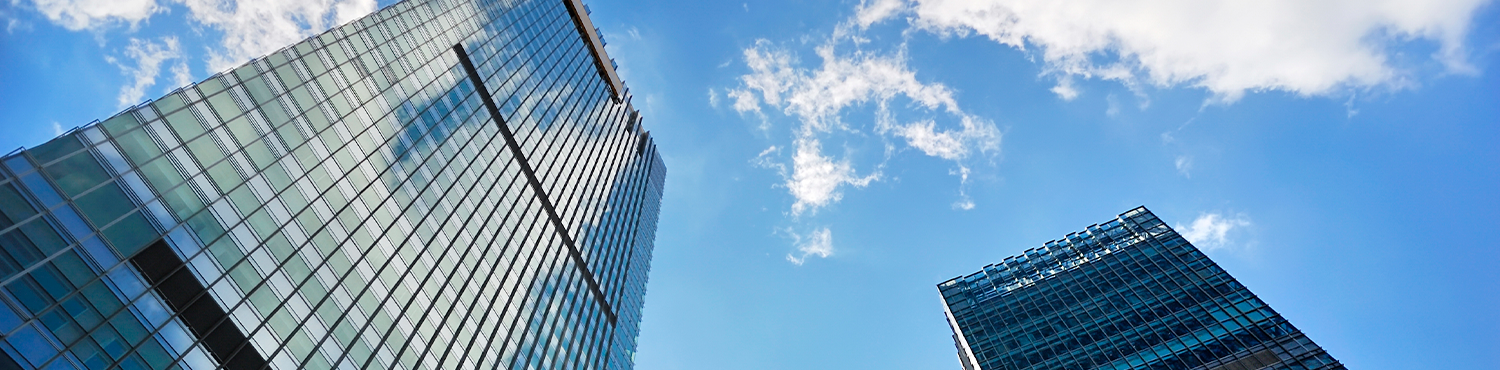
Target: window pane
{"x": 75, "y": 174}
{"x": 130, "y": 234}
{"x": 57, "y": 148}
{"x": 105, "y": 204}
{"x": 14, "y": 206}
{"x": 185, "y": 125}
{"x": 121, "y": 123}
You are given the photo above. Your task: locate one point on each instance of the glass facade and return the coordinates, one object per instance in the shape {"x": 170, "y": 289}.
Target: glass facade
{"x": 1126, "y": 294}
{"x": 441, "y": 184}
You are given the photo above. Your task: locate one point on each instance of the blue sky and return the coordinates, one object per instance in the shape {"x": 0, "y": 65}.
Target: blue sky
{"x": 831, "y": 162}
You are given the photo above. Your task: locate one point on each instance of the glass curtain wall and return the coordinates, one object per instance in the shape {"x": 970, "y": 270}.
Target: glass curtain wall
{"x": 1130, "y": 293}
{"x": 441, "y": 184}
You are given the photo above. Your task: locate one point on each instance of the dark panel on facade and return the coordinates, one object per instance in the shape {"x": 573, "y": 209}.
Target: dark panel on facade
{"x": 188, "y": 299}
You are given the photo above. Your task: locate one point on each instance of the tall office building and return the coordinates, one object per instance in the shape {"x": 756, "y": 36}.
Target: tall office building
{"x": 442, "y": 184}
{"x": 1126, "y": 294}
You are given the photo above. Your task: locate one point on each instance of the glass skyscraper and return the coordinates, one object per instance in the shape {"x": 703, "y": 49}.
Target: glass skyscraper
{"x": 442, "y": 184}
{"x": 1126, "y": 294}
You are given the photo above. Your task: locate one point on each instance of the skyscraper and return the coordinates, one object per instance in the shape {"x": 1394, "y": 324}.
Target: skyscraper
{"x": 441, "y": 184}
{"x": 1126, "y": 294}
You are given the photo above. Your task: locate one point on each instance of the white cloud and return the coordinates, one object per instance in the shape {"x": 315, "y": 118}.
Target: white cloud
{"x": 951, "y": 145}
{"x": 1065, "y": 89}
{"x": 251, "y": 28}
{"x": 815, "y": 178}
{"x": 921, "y": 135}
{"x": 92, "y": 14}
{"x": 57, "y": 129}
{"x": 845, "y": 80}
{"x": 744, "y": 100}
{"x": 818, "y": 98}
{"x": 1307, "y": 47}
{"x": 255, "y": 28}
{"x": 1210, "y": 231}
{"x": 1184, "y": 165}
{"x": 773, "y": 75}
{"x": 964, "y": 204}
{"x": 147, "y": 57}
{"x": 873, "y": 11}
{"x": 181, "y": 75}
{"x": 819, "y": 243}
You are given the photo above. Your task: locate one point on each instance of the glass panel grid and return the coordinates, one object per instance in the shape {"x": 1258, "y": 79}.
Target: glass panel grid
{"x": 1130, "y": 293}
{"x": 346, "y": 201}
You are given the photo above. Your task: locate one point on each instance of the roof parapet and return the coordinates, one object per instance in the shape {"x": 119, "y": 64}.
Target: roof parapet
{"x": 596, "y": 47}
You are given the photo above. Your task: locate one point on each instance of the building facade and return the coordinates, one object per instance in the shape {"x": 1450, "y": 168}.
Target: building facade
{"x": 442, "y": 184}
{"x": 1126, "y": 294}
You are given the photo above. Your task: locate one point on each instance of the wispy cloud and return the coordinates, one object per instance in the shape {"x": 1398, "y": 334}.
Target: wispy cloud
{"x": 181, "y": 75}
{"x": 816, "y": 178}
{"x": 873, "y": 11}
{"x": 818, "y": 98}
{"x": 744, "y": 101}
{"x": 255, "y": 28}
{"x": 57, "y": 129}
{"x": 12, "y": 22}
{"x": 844, "y": 80}
{"x": 1210, "y": 231}
{"x": 1349, "y": 110}
{"x": 93, "y": 14}
{"x": 964, "y": 202}
{"x": 954, "y": 145}
{"x": 818, "y": 243}
{"x": 143, "y": 63}
{"x": 1065, "y": 89}
{"x": 250, "y": 28}
{"x": 1184, "y": 165}
{"x": 1307, "y": 47}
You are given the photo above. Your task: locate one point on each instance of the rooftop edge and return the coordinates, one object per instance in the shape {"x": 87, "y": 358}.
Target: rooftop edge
{"x": 596, "y": 46}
